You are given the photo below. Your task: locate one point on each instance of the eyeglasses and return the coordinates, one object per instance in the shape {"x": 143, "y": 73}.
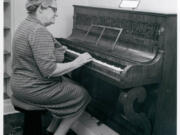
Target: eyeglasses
{"x": 53, "y": 8}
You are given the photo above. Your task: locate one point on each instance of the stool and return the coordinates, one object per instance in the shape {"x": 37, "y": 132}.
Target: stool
{"x": 32, "y": 117}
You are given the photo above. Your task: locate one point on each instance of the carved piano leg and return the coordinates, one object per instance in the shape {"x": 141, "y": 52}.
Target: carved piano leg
{"x": 139, "y": 120}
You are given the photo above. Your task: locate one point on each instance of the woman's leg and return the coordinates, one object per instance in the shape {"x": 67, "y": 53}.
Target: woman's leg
{"x": 66, "y": 124}
{"x": 79, "y": 97}
{"x": 53, "y": 125}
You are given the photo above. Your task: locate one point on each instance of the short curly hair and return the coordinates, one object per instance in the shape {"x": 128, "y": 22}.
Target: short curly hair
{"x": 32, "y": 5}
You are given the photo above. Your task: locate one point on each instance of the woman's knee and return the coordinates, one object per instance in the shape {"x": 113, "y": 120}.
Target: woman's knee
{"x": 77, "y": 89}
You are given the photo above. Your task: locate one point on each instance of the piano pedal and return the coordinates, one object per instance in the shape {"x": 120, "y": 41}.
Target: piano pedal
{"x": 88, "y": 125}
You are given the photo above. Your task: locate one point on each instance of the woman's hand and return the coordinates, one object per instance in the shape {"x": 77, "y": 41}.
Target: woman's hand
{"x": 59, "y": 53}
{"x": 62, "y": 49}
{"x": 83, "y": 59}
{"x": 64, "y": 68}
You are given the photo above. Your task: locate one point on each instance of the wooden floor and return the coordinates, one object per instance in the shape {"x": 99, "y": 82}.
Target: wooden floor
{"x": 86, "y": 125}
{"x": 13, "y": 124}
{"x": 14, "y": 120}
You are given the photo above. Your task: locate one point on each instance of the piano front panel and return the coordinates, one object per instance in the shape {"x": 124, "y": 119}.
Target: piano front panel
{"x": 141, "y": 31}
{"x": 98, "y": 53}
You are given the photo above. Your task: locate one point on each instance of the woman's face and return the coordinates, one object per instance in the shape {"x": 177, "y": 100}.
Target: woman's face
{"x": 49, "y": 14}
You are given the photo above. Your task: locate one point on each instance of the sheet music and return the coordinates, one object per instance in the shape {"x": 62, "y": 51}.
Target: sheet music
{"x": 129, "y": 4}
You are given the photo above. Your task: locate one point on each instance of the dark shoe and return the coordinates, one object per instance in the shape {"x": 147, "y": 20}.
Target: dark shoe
{"x": 48, "y": 133}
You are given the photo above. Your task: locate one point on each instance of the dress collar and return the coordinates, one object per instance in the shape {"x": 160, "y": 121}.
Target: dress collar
{"x": 33, "y": 19}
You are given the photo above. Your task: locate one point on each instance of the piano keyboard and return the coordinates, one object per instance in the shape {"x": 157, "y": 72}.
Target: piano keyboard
{"x": 117, "y": 69}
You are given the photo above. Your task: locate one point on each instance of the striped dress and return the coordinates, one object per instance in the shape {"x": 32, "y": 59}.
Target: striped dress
{"x": 33, "y": 61}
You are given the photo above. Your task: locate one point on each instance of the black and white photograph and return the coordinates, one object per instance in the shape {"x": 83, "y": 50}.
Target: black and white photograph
{"x": 90, "y": 67}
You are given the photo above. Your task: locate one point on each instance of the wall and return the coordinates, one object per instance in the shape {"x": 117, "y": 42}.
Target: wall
{"x": 64, "y": 21}
{"x": 63, "y": 26}
{"x": 169, "y": 6}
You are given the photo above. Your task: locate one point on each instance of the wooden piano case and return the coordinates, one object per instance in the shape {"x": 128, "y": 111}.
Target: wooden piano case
{"x": 130, "y": 101}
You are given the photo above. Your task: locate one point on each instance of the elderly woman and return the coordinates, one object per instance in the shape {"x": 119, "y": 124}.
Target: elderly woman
{"x": 37, "y": 70}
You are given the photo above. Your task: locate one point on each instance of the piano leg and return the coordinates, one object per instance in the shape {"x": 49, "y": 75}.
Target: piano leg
{"x": 138, "y": 120}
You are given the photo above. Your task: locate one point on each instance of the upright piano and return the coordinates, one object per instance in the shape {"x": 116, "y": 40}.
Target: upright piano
{"x": 128, "y": 50}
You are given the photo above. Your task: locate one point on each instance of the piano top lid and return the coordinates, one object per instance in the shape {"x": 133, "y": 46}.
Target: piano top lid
{"x": 139, "y": 11}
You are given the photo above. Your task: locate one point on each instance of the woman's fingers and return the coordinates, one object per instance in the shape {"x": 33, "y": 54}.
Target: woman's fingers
{"x": 83, "y": 59}
{"x": 62, "y": 49}
{"x": 87, "y": 58}
{"x": 87, "y": 55}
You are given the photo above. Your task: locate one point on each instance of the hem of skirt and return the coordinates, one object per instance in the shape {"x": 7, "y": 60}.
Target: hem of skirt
{"x": 73, "y": 114}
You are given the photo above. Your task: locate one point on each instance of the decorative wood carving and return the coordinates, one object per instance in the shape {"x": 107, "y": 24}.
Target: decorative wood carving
{"x": 139, "y": 120}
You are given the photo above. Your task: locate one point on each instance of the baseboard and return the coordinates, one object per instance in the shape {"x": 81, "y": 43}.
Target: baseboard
{"x": 8, "y": 107}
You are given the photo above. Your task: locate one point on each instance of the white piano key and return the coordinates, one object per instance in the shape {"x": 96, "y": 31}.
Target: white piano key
{"x": 118, "y": 69}
{"x": 73, "y": 52}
